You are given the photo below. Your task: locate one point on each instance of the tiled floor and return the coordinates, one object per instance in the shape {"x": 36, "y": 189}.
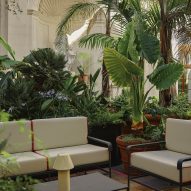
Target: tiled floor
{"x": 134, "y": 186}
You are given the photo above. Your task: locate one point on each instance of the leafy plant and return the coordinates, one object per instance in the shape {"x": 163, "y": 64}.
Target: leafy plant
{"x": 6, "y": 63}
{"x": 46, "y": 68}
{"x": 152, "y": 107}
{"x": 21, "y": 183}
{"x": 121, "y": 102}
{"x": 180, "y": 108}
{"x": 127, "y": 68}
{"x": 150, "y": 133}
{"x": 131, "y": 138}
{"x": 91, "y": 10}
{"x": 20, "y": 100}
{"x": 90, "y": 100}
{"x": 104, "y": 118}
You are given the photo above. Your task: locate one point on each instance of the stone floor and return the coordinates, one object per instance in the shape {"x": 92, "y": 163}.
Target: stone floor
{"x": 134, "y": 186}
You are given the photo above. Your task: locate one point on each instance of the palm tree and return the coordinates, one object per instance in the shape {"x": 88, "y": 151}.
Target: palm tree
{"x": 165, "y": 18}
{"x": 85, "y": 10}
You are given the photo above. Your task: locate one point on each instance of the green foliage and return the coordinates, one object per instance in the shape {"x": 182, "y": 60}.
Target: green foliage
{"x": 121, "y": 102}
{"x": 152, "y": 107}
{"x": 3, "y": 118}
{"x": 124, "y": 71}
{"x": 89, "y": 101}
{"x": 150, "y": 133}
{"x": 20, "y": 100}
{"x": 180, "y": 107}
{"x": 103, "y": 118}
{"x": 7, "y": 47}
{"x": 21, "y": 183}
{"x": 127, "y": 45}
{"x": 149, "y": 47}
{"x": 131, "y": 138}
{"x": 120, "y": 68}
{"x": 46, "y": 68}
{"x": 98, "y": 40}
{"x": 153, "y": 132}
{"x": 166, "y": 75}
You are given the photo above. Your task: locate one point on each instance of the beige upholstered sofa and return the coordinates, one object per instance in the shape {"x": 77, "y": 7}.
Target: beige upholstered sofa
{"x": 174, "y": 163}
{"x": 35, "y": 144}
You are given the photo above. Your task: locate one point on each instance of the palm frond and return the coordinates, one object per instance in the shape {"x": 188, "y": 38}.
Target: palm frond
{"x": 97, "y": 40}
{"x": 94, "y": 18}
{"x": 81, "y": 10}
{"x": 153, "y": 18}
{"x": 136, "y": 4}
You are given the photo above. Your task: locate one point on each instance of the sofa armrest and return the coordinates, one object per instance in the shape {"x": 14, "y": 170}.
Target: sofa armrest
{"x": 130, "y": 147}
{"x": 100, "y": 142}
{"x": 181, "y": 161}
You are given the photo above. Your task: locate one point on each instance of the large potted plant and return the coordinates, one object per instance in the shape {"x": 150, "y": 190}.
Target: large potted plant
{"x": 125, "y": 65}
{"x": 150, "y": 133}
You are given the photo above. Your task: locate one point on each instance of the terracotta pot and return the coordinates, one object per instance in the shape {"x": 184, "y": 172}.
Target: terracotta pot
{"x": 83, "y": 78}
{"x": 124, "y": 156}
{"x": 153, "y": 120}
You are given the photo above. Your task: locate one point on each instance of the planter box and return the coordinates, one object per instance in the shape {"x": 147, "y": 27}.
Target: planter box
{"x": 109, "y": 133}
{"x": 124, "y": 156}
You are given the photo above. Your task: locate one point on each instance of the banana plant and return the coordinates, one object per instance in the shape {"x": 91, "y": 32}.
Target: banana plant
{"x": 126, "y": 67}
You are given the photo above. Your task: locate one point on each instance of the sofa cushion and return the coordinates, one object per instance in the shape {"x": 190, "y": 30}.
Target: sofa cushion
{"x": 178, "y": 135}
{"x": 80, "y": 155}
{"x": 163, "y": 163}
{"x": 18, "y": 134}
{"x": 59, "y": 132}
{"x": 24, "y": 163}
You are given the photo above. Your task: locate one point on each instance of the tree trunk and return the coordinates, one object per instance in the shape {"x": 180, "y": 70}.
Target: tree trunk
{"x": 166, "y": 50}
{"x": 105, "y": 81}
{"x": 105, "y": 76}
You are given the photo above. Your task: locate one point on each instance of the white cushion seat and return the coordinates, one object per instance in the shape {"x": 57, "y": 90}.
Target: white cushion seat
{"x": 26, "y": 162}
{"x": 162, "y": 163}
{"x": 80, "y": 155}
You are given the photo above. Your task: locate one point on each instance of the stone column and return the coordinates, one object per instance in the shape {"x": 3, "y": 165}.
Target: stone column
{"x": 3, "y": 22}
{"x": 189, "y": 87}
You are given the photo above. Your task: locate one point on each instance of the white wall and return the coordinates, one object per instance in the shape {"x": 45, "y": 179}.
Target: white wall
{"x": 3, "y": 22}
{"x": 19, "y": 31}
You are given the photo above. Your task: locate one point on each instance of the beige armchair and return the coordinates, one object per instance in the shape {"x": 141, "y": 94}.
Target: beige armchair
{"x": 174, "y": 163}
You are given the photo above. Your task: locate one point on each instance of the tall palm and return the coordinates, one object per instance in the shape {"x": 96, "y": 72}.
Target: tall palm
{"x": 110, "y": 9}
{"x": 165, "y": 18}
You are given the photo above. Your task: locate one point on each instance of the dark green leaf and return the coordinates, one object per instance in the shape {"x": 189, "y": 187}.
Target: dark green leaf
{"x": 46, "y": 104}
{"x": 166, "y": 75}
{"x": 120, "y": 68}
